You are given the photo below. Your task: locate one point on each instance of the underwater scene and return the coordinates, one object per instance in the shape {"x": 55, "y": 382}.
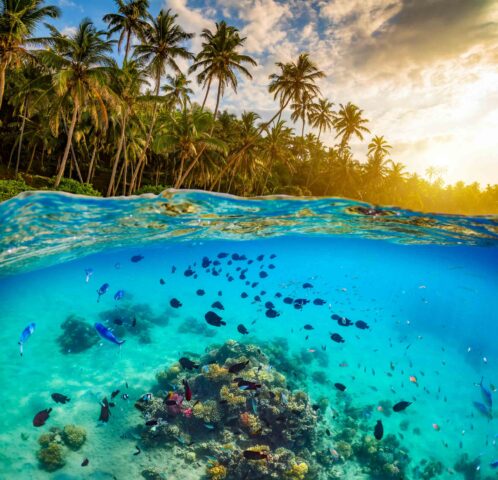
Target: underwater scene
{"x": 199, "y": 336}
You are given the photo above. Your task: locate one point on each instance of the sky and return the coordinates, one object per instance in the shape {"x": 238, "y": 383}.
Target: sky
{"x": 424, "y": 72}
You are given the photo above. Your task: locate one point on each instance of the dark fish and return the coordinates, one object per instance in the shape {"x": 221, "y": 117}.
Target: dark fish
{"x": 483, "y": 409}
{"x": 112, "y": 404}
{"x": 161, "y": 281}
{"x": 222, "y": 255}
{"x": 340, "y": 386}
{"x": 200, "y": 292}
{"x": 238, "y": 367}
{"x": 486, "y": 395}
{"x": 263, "y": 274}
{"x": 308, "y": 327}
{"x": 243, "y": 295}
{"x": 269, "y": 305}
{"x": 379, "y": 430}
{"x": 214, "y": 319}
{"x": 272, "y": 256}
{"x": 218, "y": 305}
{"x": 205, "y": 262}
{"x": 115, "y": 393}
{"x": 319, "y": 301}
{"x": 175, "y": 303}
{"x": 307, "y": 285}
{"x": 242, "y": 329}
{"x": 173, "y": 269}
{"x": 327, "y": 431}
{"x": 59, "y": 398}
{"x": 259, "y": 258}
{"x": 134, "y": 322}
{"x": 188, "y": 391}
{"x": 271, "y": 266}
{"x": 188, "y": 364}
{"x": 362, "y": 325}
{"x": 400, "y": 406}
{"x": 105, "y": 412}
{"x": 336, "y": 338}
{"x": 41, "y": 417}
{"x": 248, "y": 385}
{"x": 170, "y": 403}
{"x": 151, "y": 423}
{"x": 344, "y": 322}
{"x": 138, "y": 452}
{"x": 278, "y": 295}
{"x": 136, "y": 258}
{"x": 254, "y": 284}
{"x": 118, "y": 321}
{"x": 270, "y": 313}
{"x": 103, "y": 288}
{"x": 85, "y": 462}
{"x": 220, "y": 293}
{"x": 494, "y": 464}
{"x": 288, "y": 300}
{"x": 189, "y": 272}
{"x": 335, "y": 317}
{"x": 257, "y": 298}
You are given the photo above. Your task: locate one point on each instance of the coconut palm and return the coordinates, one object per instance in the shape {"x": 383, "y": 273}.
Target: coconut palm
{"x": 78, "y": 65}
{"x": 18, "y": 20}
{"x": 177, "y": 91}
{"x": 130, "y": 21}
{"x": 220, "y": 59}
{"x": 302, "y": 109}
{"x": 378, "y": 147}
{"x": 349, "y": 122}
{"x": 161, "y": 45}
{"x": 322, "y": 116}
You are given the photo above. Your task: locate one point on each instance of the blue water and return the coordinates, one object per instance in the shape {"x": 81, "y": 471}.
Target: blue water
{"x": 426, "y": 285}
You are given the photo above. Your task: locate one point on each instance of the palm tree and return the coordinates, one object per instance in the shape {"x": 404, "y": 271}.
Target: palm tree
{"x": 18, "y": 21}
{"x": 378, "y": 147}
{"x": 79, "y": 72}
{"x": 130, "y": 21}
{"x": 349, "y": 122}
{"x": 302, "y": 109}
{"x": 220, "y": 59}
{"x": 177, "y": 91}
{"x": 322, "y": 116}
{"x": 127, "y": 84}
{"x": 160, "y": 47}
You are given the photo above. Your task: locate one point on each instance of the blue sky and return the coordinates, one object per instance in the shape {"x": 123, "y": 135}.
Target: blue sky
{"x": 424, "y": 71}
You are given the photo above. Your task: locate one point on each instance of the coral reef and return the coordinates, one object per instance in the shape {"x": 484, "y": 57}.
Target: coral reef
{"x": 216, "y": 471}
{"x": 73, "y": 436}
{"x": 195, "y": 327}
{"x": 77, "y": 336}
{"x": 132, "y": 319}
{"x": 52, "y": 453}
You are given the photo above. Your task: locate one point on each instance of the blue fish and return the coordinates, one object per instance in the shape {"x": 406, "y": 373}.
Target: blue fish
{"x": 119, "y": 295}
{"x": 26, "y": 333}
{"x": 105, "y": 333}
{"x": 486, "y": 395}
{"x": 494, "y": 464}
{"x": 88, "y": 274}
{"x": 102, "y": 290}
{"x": 483, "y": 409}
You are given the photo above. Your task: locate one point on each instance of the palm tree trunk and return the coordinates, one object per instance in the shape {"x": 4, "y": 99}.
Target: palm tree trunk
{"x": 3, "y": 68}
{"x": 319, "y": 132}
{"x": 207, "y": 93}
{"x": 68, "y": 144}
{"x": 21, "y": 137}
{"x": 302, "y": 129}
{"x": 31, "y": 159}
{"x": 76, "y": 166}
{"x": 92, "y": 162}
{"x": 110, "y": 188}
{"x": 127, "y": 48}
{"x": 125, "y": 178}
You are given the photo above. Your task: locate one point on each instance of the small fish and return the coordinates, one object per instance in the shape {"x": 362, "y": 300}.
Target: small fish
{"x": 106, "y": 334}
{"x": 119, "y": 295}
{"x": 115, "y": 393}
{"x": 188, "y": 364}
{"x": 362, "y": 325}
{"x": 209, "y": 426}
{"x": 319, "y": 301}
{"x": 138, "y": 452}
{"x": 486, "y": 394}
{"x": 336, "y": 338}
{"x": 254, "y": 455}
{"x": 105, "y": 411}
{"x": 173, "y": 269}
{"x": 400, "y": 406}
{"x": 379, "y": 430}
{"x": 270, "y": 313}
{"x": 189, "y": 272}
{"x": 340, "y": 386}
{"x": 125, "y": 396}
{"x": 494, "y": 464}
{"x": 218, "y": 305}
{"x": 242, "y": 329}
{"x": 483, "y": 409}
{"x": 188, "y": 391}
{"x": 214, "y": 319}
{"x": 222, "y": 255}
{"x": 88, "y": 274}
{"x": 308, "y": 327}
{"x": 263, "y": 274}
{"x": 175, "y": 303}
{"x": 136, "y": 258}
{"x": 248, "y": 385}
{"x": 436, "y": 427}
{"x": 200, "y": 292}
{"x": 413, "y": 379}
{"x": 151, "y": 423}
{"x": 307, "y": 285}
{"x": 26, "y": 333}
{"x": 59, "y": 398}
{"x": 344, "y": 322}
{"x": 103, "y": 289}
{"x": 238, "y": 367}
{"x": 243, "y": 295}
{"x": 41, "y": 417}
{"x": 161, "y": 281}
{"x": 85, "y": 462}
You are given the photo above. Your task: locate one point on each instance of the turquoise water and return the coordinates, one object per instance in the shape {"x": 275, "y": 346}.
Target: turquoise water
{"x": 426, "y": 285}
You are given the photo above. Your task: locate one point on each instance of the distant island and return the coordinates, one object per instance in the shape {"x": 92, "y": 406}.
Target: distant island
{"x": 72, "y": 118}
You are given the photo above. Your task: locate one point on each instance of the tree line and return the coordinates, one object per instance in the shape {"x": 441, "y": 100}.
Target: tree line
{"x": 68, "y": 109}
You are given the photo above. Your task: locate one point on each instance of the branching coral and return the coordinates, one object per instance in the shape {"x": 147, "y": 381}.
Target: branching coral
{"x": 208, "y": 412}
{"x": 232, "y": 396}
{"x": 73, "y": 436}
{"x": 216, "y": 471}
{"x": 215, "y": 373}
{"x": 298, "y": 471}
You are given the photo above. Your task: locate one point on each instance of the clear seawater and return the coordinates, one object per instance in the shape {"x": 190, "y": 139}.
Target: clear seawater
{"x": 427, "y": 285}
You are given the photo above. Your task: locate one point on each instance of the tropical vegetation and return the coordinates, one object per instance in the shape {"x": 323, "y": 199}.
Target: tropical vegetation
{"x": 73, "y": 117}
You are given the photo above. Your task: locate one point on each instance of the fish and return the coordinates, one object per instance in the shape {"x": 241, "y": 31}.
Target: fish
{"x": 214, "y": 319}
{"x": 222, "y": 255}
{"x": 138, "y": 452}
{"x": 259, "y": 258}
{"x": 483, "y": 409}
{"x": 413, "y": 379}
{"x": 161, "y": 281}
{"x": 136, "y": 258}
{"x": 494, "y": 464}
{"x": 59, "y": 398}
{"x": 362, "y": 325}
{"x": 189, "y": 272}
{"x": 270, "y": 313}
{"x": 379, "y": 430}
{"x": 173, "y": 269}
{"x": 400, "y": 406}
{"x": 254, "y": 455}
{"x": 188, "y": 364}
{"x": 209, "y": 426}
{"x": 263, "y": 274}
{"x": 242, "y": 329}
{"x": 125, "y": 396}
{"x": 205, "y": 262}
{"x": 319, "y": 301}
{"x": 340, "y": 386}
{"x": 106, "y": 334}
{"x": 200, "y": 292}
{"x": 103, "y": 289}
{"x": 41, "y": 417}
{"x": 243, "y": 295}
{"x": 119, "y": 295}
{"x": 307, "y": 285}
{"x": 308, "y": 327}
{"x": 344, "y": 322}
{"x": 238, "y": 367}
{"x": 175, "y": 303}
{"x": 188, "y": 391}
{"x": 26, "y": 333}
{"x": 218, "y": 305}
{"x": 85, "y": 462}
{"x": 105, "y": 411}
{"x": 336, "y": 338}
{"x": 88, "y": 274}
{"x": 269, "y": 305}
{"x": 486, "y": 394}
{"x": 151, "y": 423}
{"x": 248, "y": 385}
{"x": 115, "y": 393}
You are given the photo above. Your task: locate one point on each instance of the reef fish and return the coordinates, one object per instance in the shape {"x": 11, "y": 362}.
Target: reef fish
{"x": 336, "y": 338}
{"x": 200, "y": 292}
{"x": 242, "y": 329}
{"x": 319, "y": 301}
{"x": 483, "y": 409}
{"x": 218, "y": 305}
{"x": 214, "y": 319}
{"x": 362, "y": 325}
{"x": 308, "y": 327}
{"x": 106, "y": 334}
{"x": 105, "y": 411}
{"x": 188, "y": 391}
{"x": 85, "y": 462}
{"x": 400, "y": 406}
{"x": 88, "y": 274}
{"x": 187, "y": 363}
{"x": 486, "y": 394}
{"x": 119, "y": 295}
{"x": 494, "y": 464}
{"x": 270, "y": 313}
{"x": 136, "y": 258}
{"x": 340, "y": 386}
{"x": 59, "y": 398}
{"x": 26, "y": 333}
{"x": 254, "y": 455}
{"x": 238, "y": 367}
{"x": 248, "y": 385}
{"x": 175, "y": 303}
{"x": 379, "y": 430}
{"x": 103, "y": 289}
{"x": 41, "y": 417}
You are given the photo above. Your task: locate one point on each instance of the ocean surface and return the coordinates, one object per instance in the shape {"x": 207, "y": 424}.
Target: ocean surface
{"x": 424, "y": 288}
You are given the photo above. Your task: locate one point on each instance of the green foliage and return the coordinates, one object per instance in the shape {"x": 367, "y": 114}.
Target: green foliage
{"x": 11, "y": 188}
{"x": 72, "y": 186}
{"x": 156, "y": 189}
